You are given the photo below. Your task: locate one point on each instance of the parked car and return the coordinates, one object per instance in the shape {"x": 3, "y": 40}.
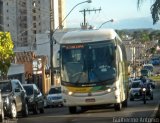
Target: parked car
{"x": 54, "y": 97}
{"x": 1, "y": 108}
{"x": 14, "y": 98}
{"x": 35, "y": 98}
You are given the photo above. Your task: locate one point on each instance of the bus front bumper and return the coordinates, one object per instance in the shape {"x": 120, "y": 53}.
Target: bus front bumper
{"x": 84, "y": 100}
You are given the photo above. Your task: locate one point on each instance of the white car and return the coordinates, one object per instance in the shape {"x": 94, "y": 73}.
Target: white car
{"x": 135, "y": 88}
{"x": 54, "y": 97}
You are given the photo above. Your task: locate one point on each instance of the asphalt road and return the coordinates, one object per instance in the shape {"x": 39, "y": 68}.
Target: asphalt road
{"x": 136, "y": 112}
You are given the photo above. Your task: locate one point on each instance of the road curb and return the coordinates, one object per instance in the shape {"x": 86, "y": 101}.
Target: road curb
{"x": 156, "y": 113}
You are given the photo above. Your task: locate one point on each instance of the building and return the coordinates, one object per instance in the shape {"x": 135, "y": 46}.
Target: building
{"x": 16, "y": 71}
{"x": 26, "y": 18}
{"x": 1, "y": 13}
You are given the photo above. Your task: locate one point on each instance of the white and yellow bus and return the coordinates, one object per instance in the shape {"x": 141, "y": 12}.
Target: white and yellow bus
{"x": 93, "y": 68}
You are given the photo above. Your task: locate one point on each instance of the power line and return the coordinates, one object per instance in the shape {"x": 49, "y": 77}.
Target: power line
{"x": 84, "y": 24}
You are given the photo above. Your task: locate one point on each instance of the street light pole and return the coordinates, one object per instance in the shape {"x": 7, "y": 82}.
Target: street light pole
{"x": 52, "y": 31}
{"x": 105, "y": 23}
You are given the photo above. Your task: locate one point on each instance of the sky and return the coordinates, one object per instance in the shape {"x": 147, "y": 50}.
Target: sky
{"x": 121, "y": 11}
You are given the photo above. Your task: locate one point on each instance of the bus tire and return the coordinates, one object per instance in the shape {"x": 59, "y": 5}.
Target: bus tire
{"x": 131, "y": 99}
{"x": 125, "y": 103}
{"x": 72, "y": 110}
{"x": 118, "y": 106}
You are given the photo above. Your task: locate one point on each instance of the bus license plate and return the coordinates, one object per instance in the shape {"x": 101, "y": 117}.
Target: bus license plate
{"x": 90, "y": 100}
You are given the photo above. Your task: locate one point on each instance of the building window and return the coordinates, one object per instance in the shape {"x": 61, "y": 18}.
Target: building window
{"x": 34, "y": 25}
{"x": 34, "y": 17}
{"x": 34, "y": 31}
{"x": 8, "y": 25}
{"x": 34, "y": 10}
{"x": 7, "y": 10}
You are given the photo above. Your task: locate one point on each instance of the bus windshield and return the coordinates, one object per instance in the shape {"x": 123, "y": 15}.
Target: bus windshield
{"x": 88, "y": 62}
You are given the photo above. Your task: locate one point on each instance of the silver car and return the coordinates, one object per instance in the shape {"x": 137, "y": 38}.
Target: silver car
{"x": 135, "y": 89}
{"x": 54, "y": 97}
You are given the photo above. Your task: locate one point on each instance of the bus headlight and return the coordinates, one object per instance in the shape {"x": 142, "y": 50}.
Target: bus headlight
{"x": 111, "y": 89}
{"x": 70, "y": 93}
{"x": 67, "y": 92}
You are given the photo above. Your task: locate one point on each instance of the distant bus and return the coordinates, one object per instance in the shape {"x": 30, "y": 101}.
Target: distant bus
{"x": 93, "y": 68}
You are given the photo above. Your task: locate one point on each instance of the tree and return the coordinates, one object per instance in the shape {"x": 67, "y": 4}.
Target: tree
{"x": 6, "y": 52}
{"x": 145, "y": 37}
{"x": 155, "y": 9}
{"x": 141, "y": 36}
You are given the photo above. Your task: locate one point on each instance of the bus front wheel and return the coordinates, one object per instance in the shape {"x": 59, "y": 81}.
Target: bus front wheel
{"x": 125, "y": 103}
{"x": 118, "y": 106}
{"x": 72, "y": 110}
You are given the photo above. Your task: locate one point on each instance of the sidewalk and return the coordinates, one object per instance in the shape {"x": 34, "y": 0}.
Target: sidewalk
{"x": 158, "y": 113}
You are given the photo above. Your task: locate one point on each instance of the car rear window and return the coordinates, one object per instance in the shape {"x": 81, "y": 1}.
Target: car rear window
{"x": 5, "y": 87}
{"x": 55, "y": 90}
{"x": 136, "y": 85}
{"x": 29, "y": 90}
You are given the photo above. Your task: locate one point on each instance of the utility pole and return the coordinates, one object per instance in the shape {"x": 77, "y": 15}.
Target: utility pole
{"x": 52, "y": 31}
{"x": 84, "y": 24}
{"x": 51, "y": 40}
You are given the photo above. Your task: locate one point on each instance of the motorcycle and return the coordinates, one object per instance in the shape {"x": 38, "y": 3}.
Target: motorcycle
{"x": 144, "y": 95}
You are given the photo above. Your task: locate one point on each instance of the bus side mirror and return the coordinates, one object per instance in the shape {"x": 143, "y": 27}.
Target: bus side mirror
{"x": 56, "y": 58}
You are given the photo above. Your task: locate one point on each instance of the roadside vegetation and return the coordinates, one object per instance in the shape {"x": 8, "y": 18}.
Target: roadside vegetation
{"x": 6, "y": 53}
{"x": 155, "y": 78}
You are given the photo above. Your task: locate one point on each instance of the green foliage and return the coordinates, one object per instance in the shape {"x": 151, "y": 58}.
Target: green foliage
{"x": 155, "y": 78}
{"x": 141, "y": 36}
{"x": 153, "y": 50}
{"x": 155, "y": 9}
{"x": 6, "y": 52}
{"x": 144, "y": 37}
{"x": 121, "y": 33}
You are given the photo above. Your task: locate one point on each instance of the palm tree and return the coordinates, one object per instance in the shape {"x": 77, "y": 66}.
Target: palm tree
{"x": 155, "y": 9}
